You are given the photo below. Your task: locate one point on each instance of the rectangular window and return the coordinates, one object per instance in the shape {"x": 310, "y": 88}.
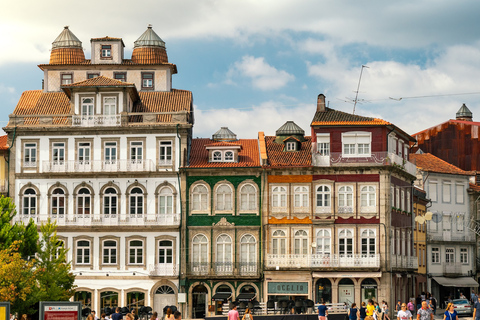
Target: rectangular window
{"x": 121, "y": 76}
{"x": 106, "y": 51}
{"x": 392, "y": 196}
{"x": 356, "y": 144}
{"x": 349, "y": 149}
{"x": 405, "y": 152}
{"x": 66, "y": 78}
{"x": 110, "y": 152}
{"x": 30, "y": 155}
{"x": 92, "y": 75}
{"x": 136, "y": 151}
{"x": 446, "y": 191}
{"x": 279, "y": 197}
{"x": 109, "y": 252}
{"x": 58, "y": 152}
{"x": 165, "y": 156}
{"x": 402, "y": 200}
{"x": 449, "y": 255}
{"x": 432, "y": 190}
{"x": 83, "y": 252}
{"x": 147, "y": 80}
{"x": 464, "y": 255}
{"x": 447, "y": 222}
{"x": 435, "y": 255}
{"x": 84, "y": 152}
{"x": 135, "y": 252}
{"x": 397, "y": 198}
{"x": 409, "y": 209}
{"x": 460, "y": 221}
{"x": 460, "y": 189}
{"x": 323, "y": 144}
{"x": 291, "y": 146}
{"x": 301, "y": 197}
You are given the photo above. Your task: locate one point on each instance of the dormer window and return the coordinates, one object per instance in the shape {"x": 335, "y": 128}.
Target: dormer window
{"x": 223, "y": 153}
{"x": 291, "y": 146}
{"x": 147, "y": 80}
{"x": 66, "y": 78}
{"x": 228, "y": 155}
{"x": 217, "y": 156}
{"x": 106, "y": 51}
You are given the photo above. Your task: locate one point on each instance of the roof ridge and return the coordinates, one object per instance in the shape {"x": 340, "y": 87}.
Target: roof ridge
{"x": 94, "y": 81}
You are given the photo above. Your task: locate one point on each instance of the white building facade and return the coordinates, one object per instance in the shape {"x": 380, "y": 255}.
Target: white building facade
{"x": 98, "y": 151}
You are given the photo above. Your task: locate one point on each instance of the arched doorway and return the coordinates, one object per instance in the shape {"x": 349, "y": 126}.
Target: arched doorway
{"x": 346, "y": 291}
{"x": 223, "y": 293}
{"x": 84, "y": 297}
{"x": 135, "y": 300}
{"x": 199, "y": 301}
{"x": 164, "y": 296}
{"x": 324, "y": 291}
{"x": 369, "y": 289}
{"x": 108, "y": 299}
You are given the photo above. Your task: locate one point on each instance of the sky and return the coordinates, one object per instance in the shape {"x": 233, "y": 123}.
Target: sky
{"x": 252, "y": 65}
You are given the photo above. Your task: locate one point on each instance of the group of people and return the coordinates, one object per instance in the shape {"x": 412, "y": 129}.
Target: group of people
{"x": 177, "y": 315}
{"x": 367, "y": 311}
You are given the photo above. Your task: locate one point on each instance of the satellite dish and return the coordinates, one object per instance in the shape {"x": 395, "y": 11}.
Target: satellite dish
{"x": 428, "y": 215}
{"x": 437, "y": 217}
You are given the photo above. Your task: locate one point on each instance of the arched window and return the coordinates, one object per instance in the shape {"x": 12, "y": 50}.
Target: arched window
{"x": 279, "y": 240}
{"x": 165, "y": 252}
{"x": 224, "y": 197}
{"x": 110, "y": 200}
{"x": 345, "y": 242}
{"x": 323, "y": 196}
{"x": 199, "y": 250}
{"x": 248, "y": 197}
{"x": 301, "y": 242}
{"x": 279, "y": 197}
{"x": 224, "y": 254}
{"x": 109, "y": 252}
{"x": 29, "y": 202}
{"x": 323, "y": 241}
{"x": 58, "y": 201}
{"x": 165, "y": 290}
{"x": 83, "y": 202}
{"x": 217, "y": 156}
{"x": 135, "y": 251}
{"x": 367, "y": 196}
{"x": 199, "y": 198}
{"x": 248, "y": 250}
{"x": 301, "y": 197}
{"x": 228, "y": 156}
{"x": 165, "y": 201}
{"x": 136, "y": 201}
{"x": 368, "y": 242}
{"x": 345, "y": 197}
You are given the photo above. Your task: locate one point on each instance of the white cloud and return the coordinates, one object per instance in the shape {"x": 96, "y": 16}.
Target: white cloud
{"x": 262, "y": 75}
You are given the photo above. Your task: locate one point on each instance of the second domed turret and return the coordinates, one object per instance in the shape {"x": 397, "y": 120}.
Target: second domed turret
{"x": 149, "y": 49}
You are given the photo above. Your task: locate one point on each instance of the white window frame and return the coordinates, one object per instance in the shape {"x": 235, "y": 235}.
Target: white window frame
{"x": 300, "y": 242}
{"x": 323, "y": 197}
{"x": 165, "y": 201}
{"x": 228, "y": 156}
{"x": 368, "y": 198}
{"x": 300, "y": 196}
{"x": 108, "y": 106}
{"x": 464, "y": 255}
{"x": 397, "y": 197}
{"x": 356, "y": 144}
{"x": 166, "y": 252}
{"x": 83, "y": 252}
{"x": 459, "y": 193}
{"x": 136, "y": 151}
{"x": 217, "y": 156}
{"x": 223, "y": 200}
{"x": 224, "y": 251}
{"x": 446, "y": 192}
{"x": 346, "y": 199}
{"x": 29, "y": 202}
{"x": 165, "y": 152}
{"x": 323, "y": 144}
{"x": 435, "y": 255}
{"x": 110, "y": 252}
{"x": 344, "y": 237}
{"x": 279, "y": 242}
{"x": 402, "y": 200}
{"x": 200, "y": 198}
{"x": 279, "y": 197}
{"x": 248, "y": 251}
{"x": 368, "y": 239}
{"x": 291, "y": 146}
{"x": 55, "y": 202}
{"x": 136, "y": 206}
{"x": 87, "y": 109}
{"x": 58, "y": 153}
{"x": 433, "y": 190}
{"x": 84, "y": 152}
{"x": 30, "y": 154}
{"x": 409, "y": 202}
{"x": 460, "y": 221}
{"x": 82, "y": 203}
{"x": 137, "y": 252}
{"x": 200, "y": 250}
{"x": 110, "y": 152}
{"x": 110, "y": 202}
{"x": 248, "y": 199}
{"x": 449, "y": 255}
{"x": 323, "y": 241}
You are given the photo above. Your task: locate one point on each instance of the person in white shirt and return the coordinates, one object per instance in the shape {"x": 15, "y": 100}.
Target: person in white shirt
{"x": 404, "y": 314}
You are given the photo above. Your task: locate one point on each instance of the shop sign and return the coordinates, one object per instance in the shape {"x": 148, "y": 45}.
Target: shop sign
{"x": 288, "y": 287}
{"x": 60, "y": 310}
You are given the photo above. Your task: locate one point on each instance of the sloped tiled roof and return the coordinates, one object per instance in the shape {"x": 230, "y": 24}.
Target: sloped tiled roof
{"x": 42, "y": 103}
{"x": 125, "y": 62}
{"x": 65, "y": 56}
{"x": 221, "y": 144}
{"x": 149, "y": 55}
{"x": 100, "y": 81}
{"x": 335, "y": 117}
{"x": 428, "y": 162}
{"x": 279, "y": 158}
{"x": 3, "y": 142}
{"x": 248, "y": 156}
{"x": 164, "y": 101}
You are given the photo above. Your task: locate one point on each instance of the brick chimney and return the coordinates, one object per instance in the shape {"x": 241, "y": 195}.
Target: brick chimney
{"x": 321, "y": 103}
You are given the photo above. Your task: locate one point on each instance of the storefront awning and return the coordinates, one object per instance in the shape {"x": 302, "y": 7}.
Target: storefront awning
{"x": 347, "y": 274}
{"x": 456, "y": 282}
{"x": 246, "y": 297}
{"x": 221, "y": 296}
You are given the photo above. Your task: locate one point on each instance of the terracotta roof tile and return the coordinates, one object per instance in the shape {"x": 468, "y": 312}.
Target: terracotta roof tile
{"x": 263, "y": 147}
{"x": 164, "y": 101}
{"x": 428, "y": 162}
{"x": 42, "y": 103}
{"x": 291, "y": 138}
{"x": 279, "y": 158}
{"x": 222, "y": 144}
{"x": 100, "y": 81}
{"x": 107, "y": 38}
{"x": 149, "y": 55}
{"x": 248, "y": 156}
{"x": 3, "y": 142}
{"x": 125, "y": 62}
{"x": 61, "y": 56}
{"x": 475, "y": 187}
{"x": 335, "y": 117}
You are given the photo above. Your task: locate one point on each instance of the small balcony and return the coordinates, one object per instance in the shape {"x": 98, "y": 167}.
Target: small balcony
{"x": 452, "y": 268}
{"x": 98, "y": 166}
{"x": 459, "y": 236}
{"x": 404, "y": 262}
{"x": 338, "y": 159}
{"x": 105, "y": 219}
{"x": 97, "y": 120}
{"x": 163, "y": 269}
{"x": 224, "y": 269}
{"x": 310, "y": 261}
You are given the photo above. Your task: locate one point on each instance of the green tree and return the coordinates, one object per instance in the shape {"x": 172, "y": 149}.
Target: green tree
{"x": 26, "y": 236}
{"x": 53, "y": 271}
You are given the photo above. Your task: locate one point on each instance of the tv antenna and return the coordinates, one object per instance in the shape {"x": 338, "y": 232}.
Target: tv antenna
{"x": 358, "y": 88}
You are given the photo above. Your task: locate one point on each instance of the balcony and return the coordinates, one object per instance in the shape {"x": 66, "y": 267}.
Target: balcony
{"x": 98, "y": 166}
{"x": 163, "y": 269}
{"x": 105, "y": 219}
{"x": 461, "y": 236}
{"x": 338, "y": 159}
{"x": 97, "y": 120}
{"x": 452, "y": 268}
{"x": 322, "y": 261}
{"x": 224, "y": 269}
{"x": 404, "y": 262}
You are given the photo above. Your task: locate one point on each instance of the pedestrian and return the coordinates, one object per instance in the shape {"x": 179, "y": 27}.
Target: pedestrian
{"x": 377, "y": 314}
{"x": 247, "y": 315}
{"x": 117, "y": 315}
{"x": 473, "y": 297}
{"x": 404, "y": 313}
{"x": 398, "y": 306}
{"x": 353, "y": 312}
{"x": 90, "y": 317}
{"x": 363, "y": 311}
{"x": 103, "y": 316}
{"x": 153, "y": 317}
{"x": 129, "y": 316}
{"x": 135, "y": 315}
{"x": 385, "y": 311}
{"x": 322, "y": 311}
{"x": 450, "y": 313}
{"x": 177, "y": 315}
{"x": 476, "y": 309}
{"x": 169, "y": 315}
{"x": 94, "y": 314}
{"x": 424, "y": 313}
{"x": 418, "y": 302}
{"x": 462, "y": 296}
{"x": 370, "y": 307}
{"x": 233, "y": 313}
{"x": 411, "y": 306}
{"x": 434, "y": 304}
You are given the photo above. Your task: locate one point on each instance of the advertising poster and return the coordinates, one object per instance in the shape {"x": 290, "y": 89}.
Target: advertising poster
{"x": 60, "y": 310}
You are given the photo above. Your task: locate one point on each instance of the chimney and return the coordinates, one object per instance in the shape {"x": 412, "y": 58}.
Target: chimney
{"x": 321, "y": 103}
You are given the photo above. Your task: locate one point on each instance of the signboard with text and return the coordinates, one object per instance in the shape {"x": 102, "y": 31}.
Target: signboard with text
{"x": 60, "y": 310}
{"x": 288, "y": 287}
{"x": 4, "y": 310}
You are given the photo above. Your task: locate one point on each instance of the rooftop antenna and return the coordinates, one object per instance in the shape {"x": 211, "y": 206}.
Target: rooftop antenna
{"x": 358, "y": 88}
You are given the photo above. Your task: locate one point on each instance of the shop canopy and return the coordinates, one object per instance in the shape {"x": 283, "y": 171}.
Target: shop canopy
{"x": 456, "y": 282}
{"x": 246, "y": 296}
{"x": 221, "y": 296}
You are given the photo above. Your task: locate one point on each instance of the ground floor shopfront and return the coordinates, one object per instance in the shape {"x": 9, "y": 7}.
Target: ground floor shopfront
{"x": 443, "y": 288}
{"x": 331, "y": 287}
{"x": 403, "y": 284}
{"x": 208, "y": 297}
{"x": 134, "y": 292}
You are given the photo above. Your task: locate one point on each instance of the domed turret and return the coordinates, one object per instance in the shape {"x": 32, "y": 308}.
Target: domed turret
{"x": 67, "y": 49}
{"x": 149, "y": 49}
{"x": 464, "y": 113}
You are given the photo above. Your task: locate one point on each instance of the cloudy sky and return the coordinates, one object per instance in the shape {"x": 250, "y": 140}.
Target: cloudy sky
{"x": 254, "y": 64}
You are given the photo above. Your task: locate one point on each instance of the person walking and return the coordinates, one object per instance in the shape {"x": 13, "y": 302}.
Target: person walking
{"x": 404, "y": 313}
{"x": 424, "y": 313}
{"x": 450, "y": 313}
{"x": 473, "y": 297}
{"x": 385, "y": 311}
{"x": 153, "y": 317}
{"x": 398, "y": 306}
{"x": 233, "y": 313}
{"x": 353, "y": 313}
{"x": 247, "y": 315}
{"x": 322, "y": 311}
{"x": 411, "y": 306}
{"x": 363, "y": 311}
{"x": 177, "y": 315}
{"x": 476, "y": 309}
{"x": 370, "y": 308}
{"x": 169, "y": 315}
{"x": 117, "y": 315}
